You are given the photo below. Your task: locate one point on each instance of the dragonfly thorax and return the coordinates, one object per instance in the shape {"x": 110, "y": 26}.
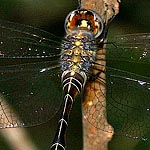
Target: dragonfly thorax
{"x": 78, "y": 51}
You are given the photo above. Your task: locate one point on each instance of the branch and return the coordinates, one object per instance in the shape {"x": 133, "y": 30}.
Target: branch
{"x": 94, "y": 105}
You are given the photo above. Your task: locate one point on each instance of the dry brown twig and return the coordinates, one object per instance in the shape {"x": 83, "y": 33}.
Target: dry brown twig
{"x": 95, "y": 139}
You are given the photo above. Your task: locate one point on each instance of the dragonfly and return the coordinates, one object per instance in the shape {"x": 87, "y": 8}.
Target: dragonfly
{"x": 39, "y": 71}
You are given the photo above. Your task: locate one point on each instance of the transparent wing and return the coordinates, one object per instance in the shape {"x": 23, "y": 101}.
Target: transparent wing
{"x": 128, "y": 105}
{"x": 30, "y": 93}
{"x": 30, "y": 89}
{"x": 130, "y": 47}
{"x": 127, "y": 88}
{"x": 22, "y": 41}
{"x": 128, "y": 93}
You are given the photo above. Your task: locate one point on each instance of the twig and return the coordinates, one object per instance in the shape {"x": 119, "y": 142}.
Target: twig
{"x": 94, "y": 138}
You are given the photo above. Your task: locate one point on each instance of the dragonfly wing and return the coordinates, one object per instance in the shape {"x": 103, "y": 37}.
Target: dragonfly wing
{"x": 128, "y": 105}
{"x": 30, "y": 93}
{"x": 21, "y": 41}
{"x": 126, "y": 101}
{"x": 130, "y": 48}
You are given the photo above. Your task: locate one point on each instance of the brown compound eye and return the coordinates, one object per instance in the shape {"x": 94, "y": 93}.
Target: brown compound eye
{"x": 84, "y": 19}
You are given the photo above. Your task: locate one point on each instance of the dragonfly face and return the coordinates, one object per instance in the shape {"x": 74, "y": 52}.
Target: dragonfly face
{"x": 32, "y": 61}
{"x": 84, "y": 19}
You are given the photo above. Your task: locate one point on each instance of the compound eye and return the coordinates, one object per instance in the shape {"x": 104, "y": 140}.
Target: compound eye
{"x": 84, "y": 19}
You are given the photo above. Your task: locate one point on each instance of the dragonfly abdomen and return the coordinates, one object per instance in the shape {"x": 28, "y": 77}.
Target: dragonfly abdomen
{"x": 73, "y": 84}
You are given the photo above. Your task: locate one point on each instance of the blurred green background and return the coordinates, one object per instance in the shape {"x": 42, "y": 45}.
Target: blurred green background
{"x": 49, "y": 15}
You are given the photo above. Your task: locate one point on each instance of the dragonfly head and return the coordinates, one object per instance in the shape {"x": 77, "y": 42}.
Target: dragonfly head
{"x": 86, "y": 20}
